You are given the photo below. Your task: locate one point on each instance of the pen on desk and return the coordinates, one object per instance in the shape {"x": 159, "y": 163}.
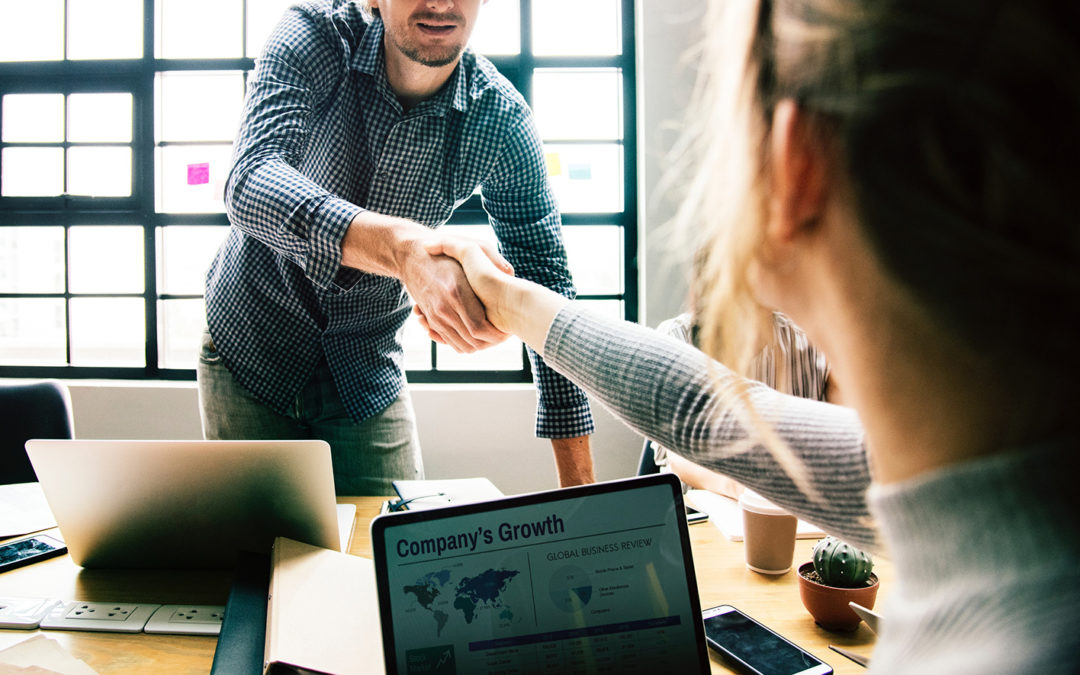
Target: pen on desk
{"x": 857, "y": 658}
{"x": 401, "y": 503}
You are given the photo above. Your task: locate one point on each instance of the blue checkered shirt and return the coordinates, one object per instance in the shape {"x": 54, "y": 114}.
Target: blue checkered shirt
{"x": 323, "y": 137}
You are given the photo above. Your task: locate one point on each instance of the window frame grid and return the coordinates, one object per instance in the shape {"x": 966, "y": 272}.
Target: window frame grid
{"x": 137, "y": 76}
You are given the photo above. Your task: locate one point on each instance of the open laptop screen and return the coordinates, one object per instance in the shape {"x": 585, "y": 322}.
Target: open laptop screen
{"x": 597, "y": 578}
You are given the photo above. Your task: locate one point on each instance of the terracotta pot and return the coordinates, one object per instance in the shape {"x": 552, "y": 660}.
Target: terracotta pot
{"x": 829, "y": 604}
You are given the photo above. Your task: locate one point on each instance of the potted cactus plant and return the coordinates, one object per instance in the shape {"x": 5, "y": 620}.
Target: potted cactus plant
{"x": 838, "y": 574}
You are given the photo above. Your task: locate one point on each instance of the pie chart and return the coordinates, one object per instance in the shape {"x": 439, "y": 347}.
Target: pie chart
{"x": 570, "y": 588}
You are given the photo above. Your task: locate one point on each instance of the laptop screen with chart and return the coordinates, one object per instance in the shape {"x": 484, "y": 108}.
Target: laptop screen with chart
{"x": 597, "y": 578}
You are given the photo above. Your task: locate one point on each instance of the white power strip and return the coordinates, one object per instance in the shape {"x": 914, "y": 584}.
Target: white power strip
{"x": 99, "y": 616}
{"x": 25, "y": 613}
{"x": 186, "y": 620}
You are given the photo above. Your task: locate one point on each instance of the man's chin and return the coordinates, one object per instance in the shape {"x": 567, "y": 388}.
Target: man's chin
{"x": 435, "y": 58}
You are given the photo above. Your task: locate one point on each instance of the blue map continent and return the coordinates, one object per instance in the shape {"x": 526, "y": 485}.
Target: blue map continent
{"x": 483, "y": 588}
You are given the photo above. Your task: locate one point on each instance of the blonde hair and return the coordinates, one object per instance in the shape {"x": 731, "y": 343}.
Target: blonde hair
{"x": 955, "y": 122}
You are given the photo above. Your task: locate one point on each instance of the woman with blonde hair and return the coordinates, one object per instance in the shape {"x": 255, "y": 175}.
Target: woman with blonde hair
{"x": 897, "y": 177}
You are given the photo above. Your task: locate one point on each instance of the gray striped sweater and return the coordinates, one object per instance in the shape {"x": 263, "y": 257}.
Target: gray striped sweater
{"x": 986, "y": 554}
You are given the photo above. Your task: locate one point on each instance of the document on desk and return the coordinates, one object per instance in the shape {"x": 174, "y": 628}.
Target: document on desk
{"x": 416, "y": 495}
{"x": 323, "y": 612}
{"x": 23, "y": 509}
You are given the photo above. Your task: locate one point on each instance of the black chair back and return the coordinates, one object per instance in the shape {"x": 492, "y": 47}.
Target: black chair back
{"x": 35, "y": 410}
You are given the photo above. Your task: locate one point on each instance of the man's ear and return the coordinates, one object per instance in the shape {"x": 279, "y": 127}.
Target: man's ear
{"x": 799, "y": 172}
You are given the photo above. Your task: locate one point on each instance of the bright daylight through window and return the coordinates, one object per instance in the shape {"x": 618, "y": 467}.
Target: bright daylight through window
{"x": 116, "y": 129}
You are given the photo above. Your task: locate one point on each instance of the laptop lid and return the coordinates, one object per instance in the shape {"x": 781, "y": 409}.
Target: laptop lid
{"x": 185, "y": 504}
{"x": 597, "y": 578}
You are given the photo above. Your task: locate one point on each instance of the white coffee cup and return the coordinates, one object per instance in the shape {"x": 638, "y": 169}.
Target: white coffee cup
{"x": 769, "y": 534}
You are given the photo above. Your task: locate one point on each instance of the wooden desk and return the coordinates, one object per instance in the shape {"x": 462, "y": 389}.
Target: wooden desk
{"x": 721, "y": 574}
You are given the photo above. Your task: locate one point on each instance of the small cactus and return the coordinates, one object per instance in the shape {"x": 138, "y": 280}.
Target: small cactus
{"x": 841, "y": 565}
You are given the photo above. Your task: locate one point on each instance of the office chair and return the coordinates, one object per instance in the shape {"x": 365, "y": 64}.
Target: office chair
{"x": 36, "y": 410}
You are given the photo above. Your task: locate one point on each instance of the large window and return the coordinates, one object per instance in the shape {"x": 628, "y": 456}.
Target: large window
{"x": 116, "y": 128}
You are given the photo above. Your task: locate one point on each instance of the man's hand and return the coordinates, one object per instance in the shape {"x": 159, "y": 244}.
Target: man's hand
{"x": 446, "y": 304}
{"x": 444, "y": 299}
{"x": 513, "y": 305}
{"x": 573, "y": 461}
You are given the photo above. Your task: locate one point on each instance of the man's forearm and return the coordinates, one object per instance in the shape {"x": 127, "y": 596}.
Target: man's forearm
{"x": 380, "y": 244}
{"x": 573, "y": 461}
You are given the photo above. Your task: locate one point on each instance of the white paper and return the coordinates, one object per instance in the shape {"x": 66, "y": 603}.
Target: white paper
{"x": 23, "y": 510}
{"x": 726, "y": 515}
{"x": 42, "y": 654}
{"x": 426, "y": 493}
{"x": 346, "y": 520}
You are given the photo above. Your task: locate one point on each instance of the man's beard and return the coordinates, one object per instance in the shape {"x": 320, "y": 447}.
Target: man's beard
{"x": 433, "y": 57}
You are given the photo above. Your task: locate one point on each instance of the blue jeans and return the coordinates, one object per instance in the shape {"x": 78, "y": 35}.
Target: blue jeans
{"x": 366, "y": 456}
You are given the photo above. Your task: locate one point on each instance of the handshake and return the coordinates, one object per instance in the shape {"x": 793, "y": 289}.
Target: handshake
{"x": 463, "y": 290}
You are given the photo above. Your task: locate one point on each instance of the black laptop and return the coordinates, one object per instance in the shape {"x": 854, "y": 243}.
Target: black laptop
{"x": 591, "y": 579}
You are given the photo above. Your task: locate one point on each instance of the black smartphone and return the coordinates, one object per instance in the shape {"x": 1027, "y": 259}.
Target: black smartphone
{"x": 695, "y": 516}
{"x": 750, "y": 647}
{"x": 29, "y": 550}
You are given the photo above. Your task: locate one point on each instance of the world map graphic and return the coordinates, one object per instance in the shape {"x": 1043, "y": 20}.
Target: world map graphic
{"x": 471, "y": 594}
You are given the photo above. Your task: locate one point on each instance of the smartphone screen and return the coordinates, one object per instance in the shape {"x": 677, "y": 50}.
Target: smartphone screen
{"x": 24, "y": 551}
{"x": 753, "y": 648}
{"x": 695, "y": 516}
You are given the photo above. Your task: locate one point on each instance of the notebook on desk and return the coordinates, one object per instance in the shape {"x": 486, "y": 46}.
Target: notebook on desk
{"x": 598, "y": 577}
{"x": 186, "y": 504}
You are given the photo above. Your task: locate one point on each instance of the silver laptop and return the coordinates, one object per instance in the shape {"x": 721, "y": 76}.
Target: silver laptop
{"x": 592, "y": 579}
{"x": 185, "y": 504}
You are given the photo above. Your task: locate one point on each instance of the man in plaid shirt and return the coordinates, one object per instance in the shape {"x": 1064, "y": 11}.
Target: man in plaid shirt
{"x": 364, "y": 128}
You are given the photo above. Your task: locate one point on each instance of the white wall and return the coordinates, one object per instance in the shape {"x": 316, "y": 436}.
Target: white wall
{"x": 488, "y": 430}
{"x": 464, "y": 431}
{"x": 667, "y": 33}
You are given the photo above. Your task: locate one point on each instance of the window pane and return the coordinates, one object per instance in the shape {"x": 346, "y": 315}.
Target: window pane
{"x": 33, "y": 118}
{"x": 612, "y": 309}
{"x": 99, "y": 172}
{"x": 32, "y": 332}
{"x": 181, "y": 323}
{"x": 31, "y": 31}
{"x": 99, "y": 118}
{"x": 586, "y": 178}
{"x": 184, "y": 254}
{"x": 32, "y": 172}
{"x": 106, "y": 259}
{"x": 417, "y": 345}
{"x": 199, "y": 106}
{"x": 108, "y": 332}
{"x": 31, "y": 260}
{"x": 199, "y": 29}
{"x": 262, "y": 17}
{"x": 576, "y": 27}
{"x": 596, "y": 255}
{"x": 596, "y": 112}
{"x": 498, "y": 30}
{"x": 482, "y": 232}
{"x": 504, "y": 356}
{"x": 191, "y": 178}
{"x": 110, "y": 30}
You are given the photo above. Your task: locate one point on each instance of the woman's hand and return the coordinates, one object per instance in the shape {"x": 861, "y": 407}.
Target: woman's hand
{"x": 487, "y": 271}
{"x": 512, "y": 305}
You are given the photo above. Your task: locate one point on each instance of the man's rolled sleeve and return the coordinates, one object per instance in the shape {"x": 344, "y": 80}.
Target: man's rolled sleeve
{"x": 267, "y": 196}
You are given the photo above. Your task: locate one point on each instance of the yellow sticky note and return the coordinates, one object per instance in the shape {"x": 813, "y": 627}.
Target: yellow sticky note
{"x": 554, "y": 166}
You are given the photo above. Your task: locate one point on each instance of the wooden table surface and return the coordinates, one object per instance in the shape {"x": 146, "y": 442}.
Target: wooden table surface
{"x": 721, "y": 574}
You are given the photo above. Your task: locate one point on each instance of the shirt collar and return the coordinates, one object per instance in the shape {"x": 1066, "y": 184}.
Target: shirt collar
{"x": 370, "y": 60}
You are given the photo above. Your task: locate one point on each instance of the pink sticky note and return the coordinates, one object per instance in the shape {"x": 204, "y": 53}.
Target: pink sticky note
{"x": 198, "y": 174}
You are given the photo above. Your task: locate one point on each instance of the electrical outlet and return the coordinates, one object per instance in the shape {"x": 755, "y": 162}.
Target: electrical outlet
{"x": 99, "y": 616}
{"x": 187, "y": 619}
{"x": 25, "y": 613}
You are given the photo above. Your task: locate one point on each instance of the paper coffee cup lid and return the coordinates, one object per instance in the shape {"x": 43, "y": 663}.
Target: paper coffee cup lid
{"x": 755, "y": 503}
